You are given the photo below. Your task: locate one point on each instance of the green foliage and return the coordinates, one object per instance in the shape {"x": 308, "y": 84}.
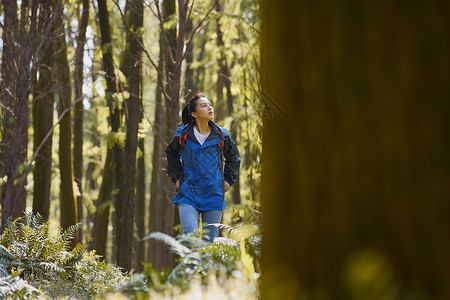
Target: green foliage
{"x": 228, "y": 258}
{"x": 16, "y": 288}
{"x": 28, "y": 252}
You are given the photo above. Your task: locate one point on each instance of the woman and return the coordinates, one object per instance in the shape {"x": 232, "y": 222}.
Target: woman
{"x": 195, "y": 163}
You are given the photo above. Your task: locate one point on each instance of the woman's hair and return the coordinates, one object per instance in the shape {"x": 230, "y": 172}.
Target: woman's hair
{"x": 190, "y": 108}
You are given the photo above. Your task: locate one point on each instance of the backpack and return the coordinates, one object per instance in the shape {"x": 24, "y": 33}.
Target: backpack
{"x": 183, "y": 138}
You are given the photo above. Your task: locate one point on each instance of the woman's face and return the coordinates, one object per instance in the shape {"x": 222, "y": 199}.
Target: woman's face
{"x": 203, "y": 110}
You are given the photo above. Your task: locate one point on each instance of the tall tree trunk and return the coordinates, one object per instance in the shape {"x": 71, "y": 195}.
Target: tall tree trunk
{"x": 200, "y": 71}
{"x": 103, "y": 203}
{"x": 356, "y": 148}
{"x": 43, "y": 113}
{"x": 13, "y": 147}
{"x": 141, "y": 191}
{"x": 157, "y": 188}
{"x": 131, "y": 66}
{"x": 78, "y": 117}
{"x": 223, "y": 80}
{"x": 140, "y": 204}
{"x": 115, "y": 113}
{"x": 189, "y": 86}
{"x": 68, "y": 203}
{"x": 173, "y": 68}
{"x": 220, "y": 103}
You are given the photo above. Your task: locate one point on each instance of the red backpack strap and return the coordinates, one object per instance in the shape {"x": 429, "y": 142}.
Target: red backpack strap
{"x": 182, "y": 139}
{"x": 223, "y": 140}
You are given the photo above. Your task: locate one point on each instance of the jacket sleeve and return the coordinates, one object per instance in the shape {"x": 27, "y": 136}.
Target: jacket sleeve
{"x": 232, "y": 160}
{"x": 173, "y": 160}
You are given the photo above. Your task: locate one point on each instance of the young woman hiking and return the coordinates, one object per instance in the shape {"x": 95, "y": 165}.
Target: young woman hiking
{"x": 203, "y": 161}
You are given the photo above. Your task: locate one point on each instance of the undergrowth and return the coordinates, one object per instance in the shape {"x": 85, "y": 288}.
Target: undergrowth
{"x": 36, "y": 265}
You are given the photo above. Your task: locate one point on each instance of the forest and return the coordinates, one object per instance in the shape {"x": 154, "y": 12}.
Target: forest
{"x": 340, "y": 111}
{"x": 91, "y": 93}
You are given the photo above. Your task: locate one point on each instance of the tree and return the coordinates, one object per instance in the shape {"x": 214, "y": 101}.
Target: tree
{"x": 15, "y": 89}
{"x": 115, "y": 111}
{"x": 100, "y": 230}
{"x": 43, "y": 112}
{"x": 355, "y": 160}
{"x": 132, "y": 67}
{"x": 157, "y": 189}
{"x": 78, "y": 115}
{"x": 63, "y": 91}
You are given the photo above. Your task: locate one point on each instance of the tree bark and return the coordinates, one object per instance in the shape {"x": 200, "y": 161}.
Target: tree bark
{"x": 43, "y": 114}
{"x": 133, "y": 73}
{"x": 189, "y": 86}
{"x": 103, "y": 203}
{"x": 140, "y": 204}
{"x": 78, "y": 126}
{"x": 69, "y": 214}
{"x": 355, "y": 150}
{"x": 157, "y": 188}
{"x": 15, "y": 87}
{"x": 115, "y": 115}
{"x": 219, "y": 105}
{"x": 223, "y": 80}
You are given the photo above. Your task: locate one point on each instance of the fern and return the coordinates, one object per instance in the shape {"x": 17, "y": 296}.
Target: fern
{"x": 16, "y": 288}
{"x": 27, "y": 251}
{"x": 198, "y": 258}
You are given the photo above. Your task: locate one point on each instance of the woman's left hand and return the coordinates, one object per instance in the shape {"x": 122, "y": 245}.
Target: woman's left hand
{"x": 227, "y": 186}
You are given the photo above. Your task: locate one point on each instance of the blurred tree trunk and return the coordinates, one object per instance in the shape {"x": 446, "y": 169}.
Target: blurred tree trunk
{"x": 68, "y": 216}
{"x": 131, "y": 66}
{"x": 78, "y": 126}
{"x": 115, "y": 114}
{"x": 356, "y": 166}
{"x": 43, "y": 113}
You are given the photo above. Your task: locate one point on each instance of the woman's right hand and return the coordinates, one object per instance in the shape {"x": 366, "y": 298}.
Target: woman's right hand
{"x": 177, "y": 184}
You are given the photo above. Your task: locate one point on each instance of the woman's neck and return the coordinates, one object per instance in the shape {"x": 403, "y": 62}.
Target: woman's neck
{"x": 202, "y": 126}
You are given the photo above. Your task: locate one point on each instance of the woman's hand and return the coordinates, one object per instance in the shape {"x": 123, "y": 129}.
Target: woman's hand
{"x": 227, "y": 186}
{"x": 177, "y": 184}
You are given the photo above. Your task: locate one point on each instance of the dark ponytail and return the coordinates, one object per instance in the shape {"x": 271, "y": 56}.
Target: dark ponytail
{"x": 190, "y": 108}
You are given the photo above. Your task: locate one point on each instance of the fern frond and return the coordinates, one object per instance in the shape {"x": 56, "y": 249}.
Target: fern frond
{"x": 3, "y": 271}
{"x": 225, "y": 241}
{"x": 69, "y": 234}
{"x": 16, "y": 288}
{"x": 175, "y": 246}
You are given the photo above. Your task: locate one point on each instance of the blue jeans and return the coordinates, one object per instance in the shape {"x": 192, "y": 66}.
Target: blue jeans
{"x": 189, "y": 216}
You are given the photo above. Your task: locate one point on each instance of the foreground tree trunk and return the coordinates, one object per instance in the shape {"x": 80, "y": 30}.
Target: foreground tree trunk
{"x": 355, "y": 163}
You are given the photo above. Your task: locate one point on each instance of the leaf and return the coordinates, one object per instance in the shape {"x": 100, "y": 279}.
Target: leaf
{"x": 175, "y": 246}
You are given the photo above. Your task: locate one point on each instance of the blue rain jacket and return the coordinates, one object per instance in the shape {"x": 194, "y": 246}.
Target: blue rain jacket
{"x": 202, "y": 169}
